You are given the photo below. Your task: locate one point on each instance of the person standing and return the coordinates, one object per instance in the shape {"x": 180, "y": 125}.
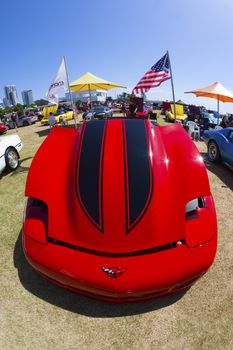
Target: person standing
{"x": 51, "y": 120}
{"x": 132, "y": 110}
{"x": 14, "y": 121}
{"x": 123, "y": 109}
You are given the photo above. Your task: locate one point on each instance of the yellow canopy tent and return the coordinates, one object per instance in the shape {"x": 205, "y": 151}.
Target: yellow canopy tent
{"x": 89, "y": 81}
{"x": 216, "y": 91}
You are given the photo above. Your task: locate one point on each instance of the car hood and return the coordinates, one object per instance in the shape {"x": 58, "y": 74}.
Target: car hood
{"x": 119, "y": 185}
{"x": 9, "y": 140}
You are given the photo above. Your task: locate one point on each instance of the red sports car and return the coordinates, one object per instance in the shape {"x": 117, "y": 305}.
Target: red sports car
{"x": 123, "y": 212}
{"x": 3, "y": 128}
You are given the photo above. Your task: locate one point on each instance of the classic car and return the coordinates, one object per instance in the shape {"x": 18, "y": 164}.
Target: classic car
{"x": 213, "y": 117}
{"x": 147, "y": 112}
{"x": 22, "y": 120}
{"x": 3, "y": 128}
{"x": 99, "y": 112}
{"x": 116, "y": 107}
{"x": 180, "y": 115}
{"x": 60, "y": 117}
{"x": 10, "y": 146}
{"x": 220, "y": 145}
{"x": 26, "y": 120}
{"x": 125, "y": 213}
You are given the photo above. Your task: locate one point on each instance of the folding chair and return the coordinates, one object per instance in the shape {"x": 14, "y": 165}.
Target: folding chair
{"x": 193, "y": 130}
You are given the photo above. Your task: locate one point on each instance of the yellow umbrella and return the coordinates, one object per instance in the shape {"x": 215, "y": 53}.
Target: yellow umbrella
{"x": 216, "y": 91}
{"x": 89, "y": 81}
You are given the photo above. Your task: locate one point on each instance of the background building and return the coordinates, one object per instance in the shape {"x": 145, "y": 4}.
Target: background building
{"x": 27, "y": 97}
{"x": 6, "y": 102}
{"x": 11, "y": 94}
{"x": 96, "y": 96}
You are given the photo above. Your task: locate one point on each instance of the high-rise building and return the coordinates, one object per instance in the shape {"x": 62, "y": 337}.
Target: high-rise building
{"x": 11, "y": 94}
{"x": 27, "y": 97}
{"x": 6, "y": 102}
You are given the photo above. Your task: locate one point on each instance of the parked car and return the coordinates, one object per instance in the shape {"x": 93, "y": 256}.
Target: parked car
{"x": 116, "y": 107}
{"x": 180, "y": 115}
{"x": 3, "y": 128}
{"x": 10, "y": 146}
{"x": 220, "y": 145}
{"x": 125, "y": 213}
{"x": 158, "y": 105}
{"x": 20, "y": 121}
{"x": 213, "y": 117}
{"x": 33, "y": 118}
{"x": 147, "y": 112}
{"x": 66, "y": 116}
{"x": 26, "y": 120}
{"x": 99, "y": 113}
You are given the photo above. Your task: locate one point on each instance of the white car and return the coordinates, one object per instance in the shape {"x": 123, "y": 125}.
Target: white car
{"x": 10, "y": 146}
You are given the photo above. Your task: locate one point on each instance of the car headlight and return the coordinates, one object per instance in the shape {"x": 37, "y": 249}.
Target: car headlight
{"x": 200, "y": 221}
{"x": 35, "y": 223}
{"x": 192, "y": 206}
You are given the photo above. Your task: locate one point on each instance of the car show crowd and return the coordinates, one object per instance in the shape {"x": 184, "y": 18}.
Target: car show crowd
{"x": 203, "y": 118}
{"x": 134, "y": 107}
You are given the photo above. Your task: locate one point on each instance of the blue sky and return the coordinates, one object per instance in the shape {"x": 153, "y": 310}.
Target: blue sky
{"x": 119, "y": 41}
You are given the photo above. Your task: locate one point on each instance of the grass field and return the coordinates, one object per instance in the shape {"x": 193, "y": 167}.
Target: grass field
{"x": 35, "y": 314}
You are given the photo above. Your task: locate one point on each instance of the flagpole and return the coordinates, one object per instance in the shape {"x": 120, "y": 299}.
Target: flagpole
{"x": 173, "y": 92}
{"x": 70, "y": 94}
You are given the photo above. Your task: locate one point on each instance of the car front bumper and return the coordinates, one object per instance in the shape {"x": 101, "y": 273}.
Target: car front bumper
{"x": 144, "y": 276}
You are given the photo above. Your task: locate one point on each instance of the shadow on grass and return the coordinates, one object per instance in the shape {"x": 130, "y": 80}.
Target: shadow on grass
{"x": 43, "y": 289}
{"x": 220, "y": 170}
{"x": 20, "y": 169}
{"x": 45, "y": 132}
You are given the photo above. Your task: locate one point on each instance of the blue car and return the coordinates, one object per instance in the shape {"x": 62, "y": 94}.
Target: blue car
{"x": 212, "y": 116}
{"x": 99, "y": 112}
{"x": 220, "y": 145}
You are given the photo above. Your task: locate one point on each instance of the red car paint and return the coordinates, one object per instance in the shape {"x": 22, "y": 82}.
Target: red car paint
{"x": 3, "y": 129}
{"x": 144, "y": 114}
{"x": 113, "y": 225}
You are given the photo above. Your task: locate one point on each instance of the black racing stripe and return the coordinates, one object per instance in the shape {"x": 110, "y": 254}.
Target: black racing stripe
{"x": 138, "y": 170}
{"x": 89, "y": 184}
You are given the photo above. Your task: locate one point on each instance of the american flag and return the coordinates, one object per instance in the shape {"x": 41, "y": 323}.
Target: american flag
{"x": 158, "y": 73}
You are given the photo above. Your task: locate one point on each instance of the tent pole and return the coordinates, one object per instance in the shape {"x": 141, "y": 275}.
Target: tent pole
{"x": 90, "y": 95}
{"x": 70, "y": 94}
{"x": 218, "y": 109}
{"x": 173, "y": 92}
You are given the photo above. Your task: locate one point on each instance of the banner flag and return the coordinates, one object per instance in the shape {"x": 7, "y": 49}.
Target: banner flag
{"x": 60, "y": 82}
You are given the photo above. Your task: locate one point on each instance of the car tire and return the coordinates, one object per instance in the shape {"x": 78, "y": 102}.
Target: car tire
{"x": 11, "y": 159}
{"x": 25, "y": 124}
{"x": 213, "y": 152}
